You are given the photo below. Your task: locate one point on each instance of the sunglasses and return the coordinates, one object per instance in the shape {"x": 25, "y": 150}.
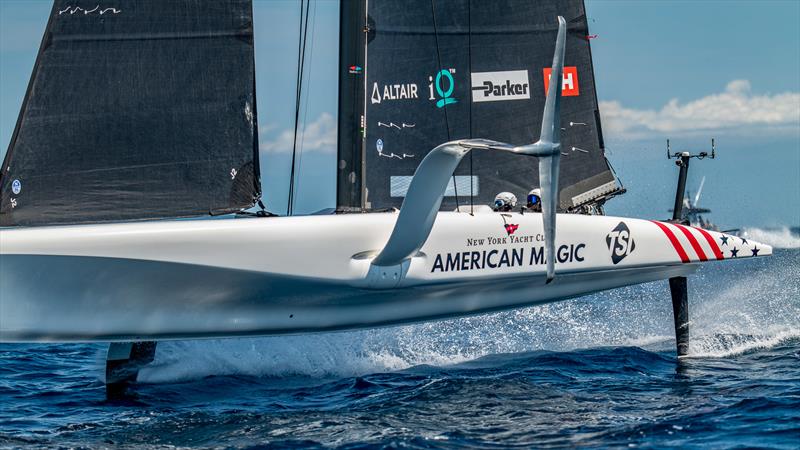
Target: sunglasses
{"x": 533, "y": 199}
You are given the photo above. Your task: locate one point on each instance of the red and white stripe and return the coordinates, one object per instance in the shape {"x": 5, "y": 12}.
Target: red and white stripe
{"x": 712, "y": 243}
{"x": 690, "y": 243}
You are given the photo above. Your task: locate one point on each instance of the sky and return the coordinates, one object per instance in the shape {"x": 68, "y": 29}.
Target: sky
{"x": 683, "y": 70}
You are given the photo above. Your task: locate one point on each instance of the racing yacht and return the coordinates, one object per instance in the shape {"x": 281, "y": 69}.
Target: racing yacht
{"x": 141, "y": 114}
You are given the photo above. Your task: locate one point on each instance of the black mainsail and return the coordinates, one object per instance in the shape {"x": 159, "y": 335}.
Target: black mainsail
{"x": 430, "y": 71}
{"x": 136, "y": 109}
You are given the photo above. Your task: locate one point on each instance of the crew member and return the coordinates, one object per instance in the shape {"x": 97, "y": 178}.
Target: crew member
{"x": 535, "y": 200}
{"x": 505, "y": 201}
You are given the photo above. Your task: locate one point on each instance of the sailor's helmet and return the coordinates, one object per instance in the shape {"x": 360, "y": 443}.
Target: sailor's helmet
{"x": 534, "y": 196}
{"x": 505, "y": 200}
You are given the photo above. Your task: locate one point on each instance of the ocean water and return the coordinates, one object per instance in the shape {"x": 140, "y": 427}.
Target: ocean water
{"x": 599, "y": 371}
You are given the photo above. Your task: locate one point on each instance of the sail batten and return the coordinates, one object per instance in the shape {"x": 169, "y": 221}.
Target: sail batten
{"x": 451, "y": 69}
{"x": 144, "y": 112}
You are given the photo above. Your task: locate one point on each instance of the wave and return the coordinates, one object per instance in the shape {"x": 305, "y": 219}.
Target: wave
{"x": 776, "y": 237}
{"x": 755, "y": 306}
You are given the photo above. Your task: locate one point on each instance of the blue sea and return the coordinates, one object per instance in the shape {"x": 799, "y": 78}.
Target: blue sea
{"x": 598, "y": 371}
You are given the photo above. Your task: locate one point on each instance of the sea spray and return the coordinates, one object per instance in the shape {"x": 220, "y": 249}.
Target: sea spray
{"x": 760, "y": 308}
{"x": 776, "y": 237}
{"x": 753, "y": 304}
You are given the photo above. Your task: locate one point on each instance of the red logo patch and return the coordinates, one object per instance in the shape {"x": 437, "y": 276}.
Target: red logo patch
{"x": 569, "y": 85}
{"x": 511, "y": 228}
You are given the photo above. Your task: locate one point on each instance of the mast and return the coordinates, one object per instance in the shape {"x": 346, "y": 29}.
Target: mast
{"x": 350, "y": 186}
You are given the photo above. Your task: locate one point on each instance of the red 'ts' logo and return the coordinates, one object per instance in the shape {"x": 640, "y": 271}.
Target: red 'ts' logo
{"x": 511, "y": 228}
{"x": 569, "y": 85}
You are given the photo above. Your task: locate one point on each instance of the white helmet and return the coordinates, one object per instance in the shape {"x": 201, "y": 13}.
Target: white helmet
{"x": 505, "y": 201}
{"x": 534, "y": 197}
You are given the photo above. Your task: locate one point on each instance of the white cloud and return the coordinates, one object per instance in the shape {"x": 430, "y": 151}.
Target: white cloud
{"x": 317, "y": 136}
{"x": 736, "y": 110}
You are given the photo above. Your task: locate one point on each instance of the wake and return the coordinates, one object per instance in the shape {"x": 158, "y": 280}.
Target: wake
{"x": 754, "y": 306}
{"x": 761, "y": 307}
{"x": 777, "y": 238}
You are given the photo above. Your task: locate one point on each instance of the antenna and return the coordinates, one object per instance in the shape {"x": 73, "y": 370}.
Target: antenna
{"x": 701, "y": 155}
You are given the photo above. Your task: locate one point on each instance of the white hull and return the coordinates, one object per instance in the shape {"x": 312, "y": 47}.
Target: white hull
{"x": 263, "y": 276}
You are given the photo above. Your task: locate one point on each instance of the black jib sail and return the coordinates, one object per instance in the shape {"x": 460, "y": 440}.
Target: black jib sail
{"x": 424, "y": 72}
{"x": 136, "y": 109}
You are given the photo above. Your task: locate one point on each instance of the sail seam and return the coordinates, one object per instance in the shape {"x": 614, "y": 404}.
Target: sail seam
{"x": 150, "y": 36}
{"x": 456, "y": 31}
{"x": 133, "y": 166}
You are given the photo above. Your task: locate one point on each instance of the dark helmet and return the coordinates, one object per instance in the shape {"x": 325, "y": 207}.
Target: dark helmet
{"x": 534, "y": 197}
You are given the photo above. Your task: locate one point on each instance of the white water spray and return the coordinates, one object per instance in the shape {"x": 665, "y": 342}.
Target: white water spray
{"x": 732, "y": 310}
{"x": 776, "y": 237}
